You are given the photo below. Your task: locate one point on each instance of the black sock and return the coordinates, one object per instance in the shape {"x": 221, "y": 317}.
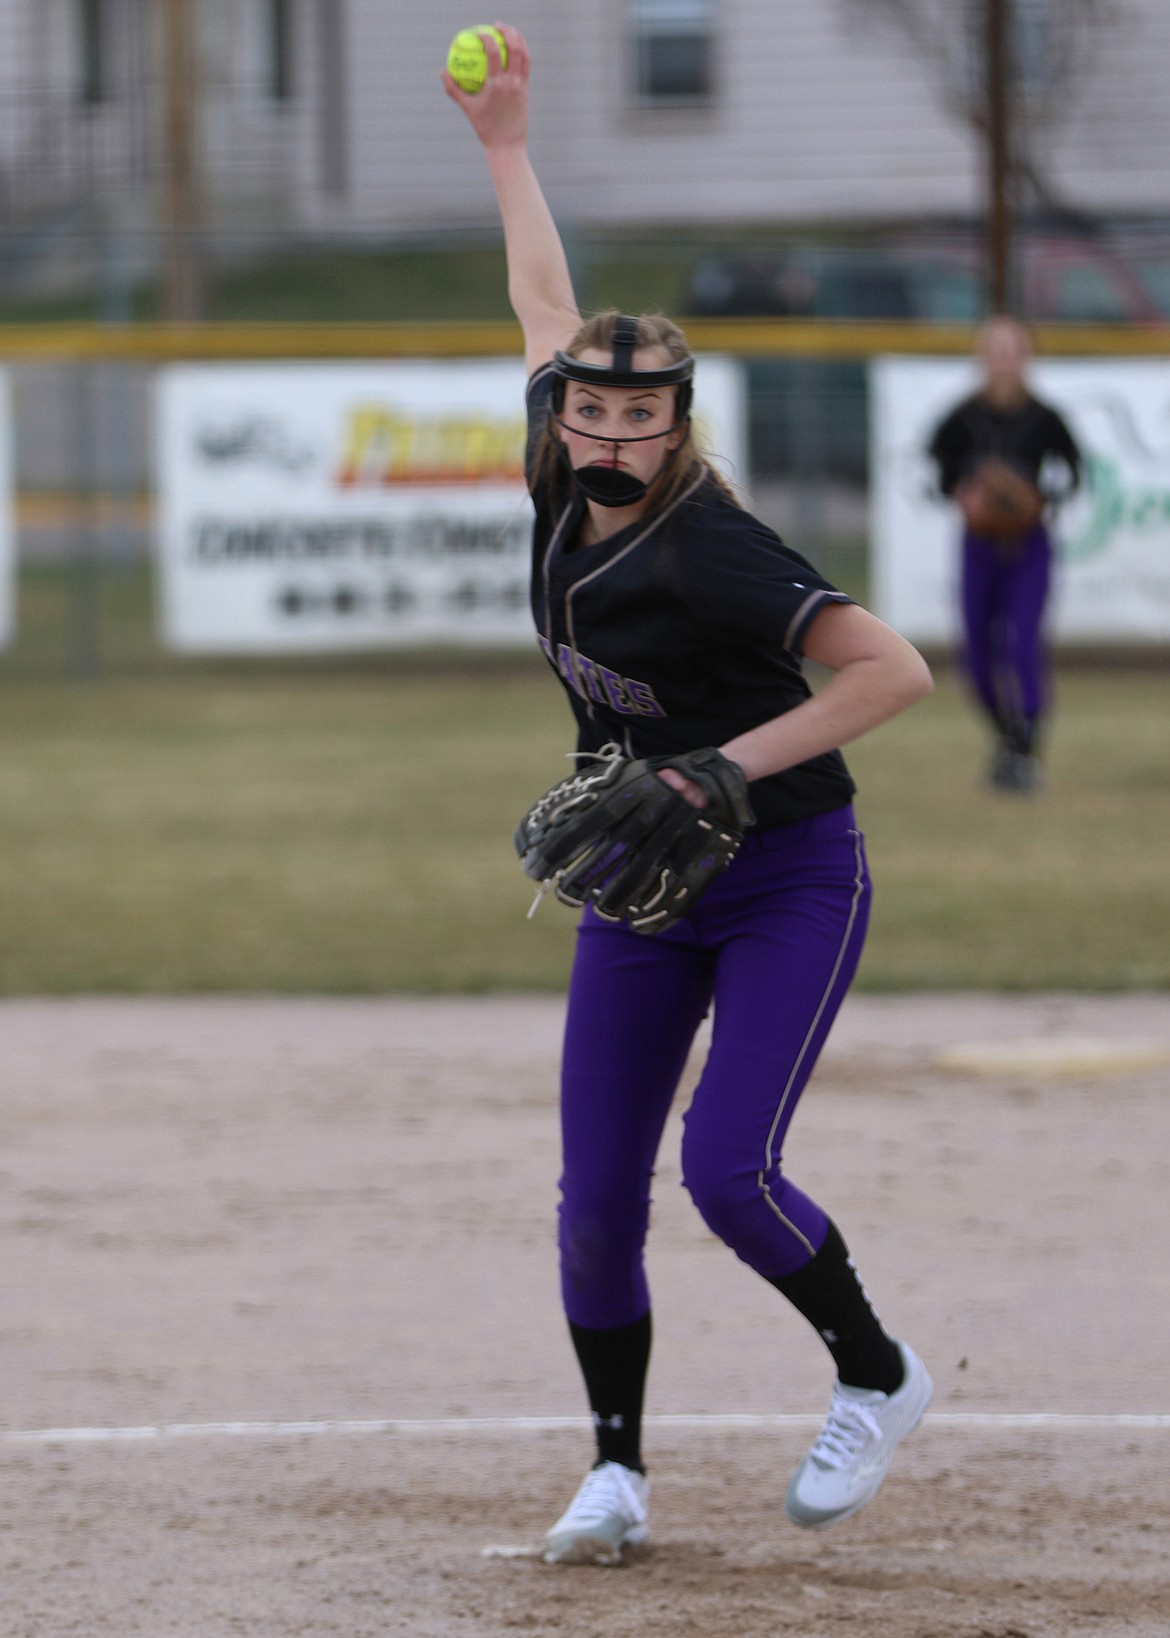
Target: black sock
{"x": 614, "y": 1362}
{"x": 829, "y": 1294}
{"x": 1024, "y": 735}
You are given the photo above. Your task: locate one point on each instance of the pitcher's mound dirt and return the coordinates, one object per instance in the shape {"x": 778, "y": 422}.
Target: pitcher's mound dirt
{"x": 268, "y": 1211}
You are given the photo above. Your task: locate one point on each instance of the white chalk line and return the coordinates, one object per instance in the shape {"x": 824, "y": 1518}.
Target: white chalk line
{"x": 463, "y": 1425}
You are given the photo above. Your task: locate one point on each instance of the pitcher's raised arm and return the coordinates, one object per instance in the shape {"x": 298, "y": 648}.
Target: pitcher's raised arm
{"x": 539, "y": 286}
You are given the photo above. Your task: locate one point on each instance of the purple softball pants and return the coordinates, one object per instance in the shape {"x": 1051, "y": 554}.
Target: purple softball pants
{"x": 1003, "y": 598}
{"x": 773, "y": 945}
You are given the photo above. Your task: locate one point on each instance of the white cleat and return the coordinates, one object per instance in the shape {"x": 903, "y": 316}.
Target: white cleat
{"x": 607, "y": 1514}
{"x": 846, "y": 1466}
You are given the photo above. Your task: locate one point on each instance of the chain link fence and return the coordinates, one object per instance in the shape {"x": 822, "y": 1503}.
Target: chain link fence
{"x": 84, "y": 431}
{"x": 83, "y": 476}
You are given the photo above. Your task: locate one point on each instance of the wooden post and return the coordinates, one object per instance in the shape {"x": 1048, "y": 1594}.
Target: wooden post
{"x": 1000, "y": 225}
{"x": 183, "y": 282}
{"x": 85, "y": 616}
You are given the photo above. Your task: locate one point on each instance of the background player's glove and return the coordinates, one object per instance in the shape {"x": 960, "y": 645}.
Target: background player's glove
{"x": 999, "y": 503}
{"x": 616, "y": 835}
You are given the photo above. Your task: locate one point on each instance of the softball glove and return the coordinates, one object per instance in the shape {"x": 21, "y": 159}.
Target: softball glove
{"x": 616, "y": 836}
{"x": 999, "y": 503}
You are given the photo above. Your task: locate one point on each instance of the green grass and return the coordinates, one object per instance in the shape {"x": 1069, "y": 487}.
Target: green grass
{"x": 70, "y": 621}
{"x": 348, "y": 829}
{"x": 975, "y": 889}
{"x": 374, "y": 286}
{"x": 277, "y": 833}
{"x": 457, "y": 283}
{"x": 468, "y": 282}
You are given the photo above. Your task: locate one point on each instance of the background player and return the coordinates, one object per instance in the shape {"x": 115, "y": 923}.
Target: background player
{"x": 675, "y": 621}
{"x": 1005, "y": 458}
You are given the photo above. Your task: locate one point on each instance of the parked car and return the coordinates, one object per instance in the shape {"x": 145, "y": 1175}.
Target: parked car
{"x": 811, "y": 416}
{"x": 1114, "y": 278}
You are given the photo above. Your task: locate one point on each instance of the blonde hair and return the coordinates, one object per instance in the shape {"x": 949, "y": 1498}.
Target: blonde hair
{"x": 688, "y": 462}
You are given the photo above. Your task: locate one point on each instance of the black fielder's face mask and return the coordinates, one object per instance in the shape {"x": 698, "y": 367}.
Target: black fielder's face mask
{"x": 607, "y": 483}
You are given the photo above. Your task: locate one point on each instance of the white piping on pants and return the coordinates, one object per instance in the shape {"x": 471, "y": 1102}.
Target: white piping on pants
{"x": 858, "y": 889}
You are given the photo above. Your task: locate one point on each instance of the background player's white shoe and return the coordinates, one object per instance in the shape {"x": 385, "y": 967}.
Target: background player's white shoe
{"x": 845, "y": 1467}
{"x": 607, "y": 1514}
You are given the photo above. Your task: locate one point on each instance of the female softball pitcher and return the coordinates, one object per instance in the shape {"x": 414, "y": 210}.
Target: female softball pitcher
{"x": 676, "y": 621}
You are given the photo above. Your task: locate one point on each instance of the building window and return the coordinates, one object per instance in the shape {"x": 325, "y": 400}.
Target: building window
{"x": 333, "y": 163}
{"x": 673, "y": 50}
{"x": 1030, "y": 46}
{"x": 279, "y": 49}
{"x": 93, "y": 69}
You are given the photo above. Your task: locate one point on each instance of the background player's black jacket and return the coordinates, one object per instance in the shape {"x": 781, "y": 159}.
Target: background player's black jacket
{"x": 683, "y": 630}
{"x": 1025, "y": 438}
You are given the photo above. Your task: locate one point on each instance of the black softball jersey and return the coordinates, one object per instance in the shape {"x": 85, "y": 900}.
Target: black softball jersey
{"x": 1025, "y": 437}
{"x": 682, "y": 630}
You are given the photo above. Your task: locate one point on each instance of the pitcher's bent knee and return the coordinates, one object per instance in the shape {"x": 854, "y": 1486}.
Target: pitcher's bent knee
{"x": 767, "y": 1221}
{"x": 724, "y": 1195}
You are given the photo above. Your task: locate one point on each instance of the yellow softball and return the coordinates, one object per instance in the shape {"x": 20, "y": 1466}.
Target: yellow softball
{"x": 467, "y": 61}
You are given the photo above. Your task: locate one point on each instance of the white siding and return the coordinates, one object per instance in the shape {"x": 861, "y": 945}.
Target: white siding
{"x": 245, "y": 158}
{"x": 807, "y": 122}
{"x": 1113, "y": 151}
{"x": 817, "y": 117}
{"x": 411, "y": 158}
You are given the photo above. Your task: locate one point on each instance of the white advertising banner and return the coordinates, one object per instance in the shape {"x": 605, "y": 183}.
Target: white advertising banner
{"x": 1113, "y": 539}
{"x": 312, "y": 507}
{"x": 7, "y": 517}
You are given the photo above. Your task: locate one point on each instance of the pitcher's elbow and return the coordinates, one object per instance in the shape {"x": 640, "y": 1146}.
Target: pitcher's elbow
{"x": 925, "y": 676}
{"x": 917, "y": 677}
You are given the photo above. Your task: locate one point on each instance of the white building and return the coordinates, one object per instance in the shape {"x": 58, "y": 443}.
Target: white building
{"x": 328, "y": 114}
{"x": 728, "y": 111}
{"x": 82, "y": 111}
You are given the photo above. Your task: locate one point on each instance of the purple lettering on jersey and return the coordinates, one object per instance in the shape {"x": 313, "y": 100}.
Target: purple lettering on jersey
{"x": 615, "y": 692}
{"x": 598, "y": 683}
{"x": 568, "y": 669}
{"x": 641, "y": 697}
{"x": 587, "y": 669}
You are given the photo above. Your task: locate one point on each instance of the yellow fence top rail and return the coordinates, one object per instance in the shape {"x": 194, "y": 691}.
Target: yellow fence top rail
{"x": 797, "y": 338}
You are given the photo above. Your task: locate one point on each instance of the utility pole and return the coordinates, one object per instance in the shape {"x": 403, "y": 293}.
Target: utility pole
{"x": 183, "y": 282}
{"x": 1000, "y": 173}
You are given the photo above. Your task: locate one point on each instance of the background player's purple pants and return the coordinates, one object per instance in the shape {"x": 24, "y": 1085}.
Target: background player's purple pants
{"x": 1003, "y": 597}
{"x": 774, "y": 943}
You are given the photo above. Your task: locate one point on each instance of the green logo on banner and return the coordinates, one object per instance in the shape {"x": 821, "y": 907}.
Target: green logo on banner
{"x": 1115, "y": 508}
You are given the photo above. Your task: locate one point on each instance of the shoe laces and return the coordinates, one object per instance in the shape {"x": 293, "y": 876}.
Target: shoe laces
{"x": 606, "y": 1490}
{"x": 848, "y": 1428}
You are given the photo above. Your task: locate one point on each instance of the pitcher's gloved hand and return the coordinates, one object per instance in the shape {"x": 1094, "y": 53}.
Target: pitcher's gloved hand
{"x": 615, "y": 835}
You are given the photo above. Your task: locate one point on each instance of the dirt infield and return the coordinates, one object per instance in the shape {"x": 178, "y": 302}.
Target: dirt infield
{"x": 233, "y": 1216}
